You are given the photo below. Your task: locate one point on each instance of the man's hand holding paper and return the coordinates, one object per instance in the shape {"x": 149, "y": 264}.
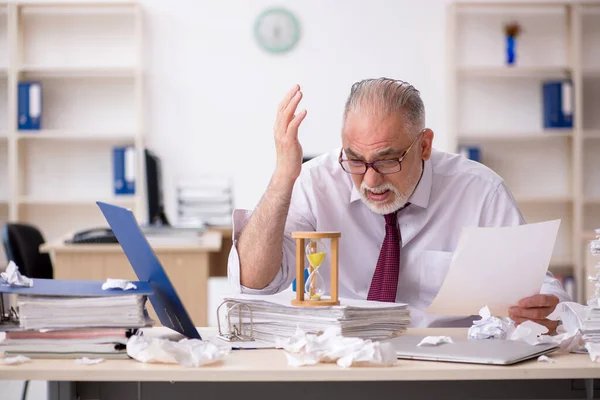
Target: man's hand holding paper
{"x": 503, "y": 268}
{"x": 535, "y": 308}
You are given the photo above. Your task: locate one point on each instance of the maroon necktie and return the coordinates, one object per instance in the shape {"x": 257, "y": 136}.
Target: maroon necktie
{"x": 385, "y": 279}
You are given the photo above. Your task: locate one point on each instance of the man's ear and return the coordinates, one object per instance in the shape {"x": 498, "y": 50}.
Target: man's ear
{"x": 426, "y": 144}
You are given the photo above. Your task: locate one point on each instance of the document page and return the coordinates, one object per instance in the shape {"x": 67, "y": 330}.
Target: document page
{"x": 496, "y": 267}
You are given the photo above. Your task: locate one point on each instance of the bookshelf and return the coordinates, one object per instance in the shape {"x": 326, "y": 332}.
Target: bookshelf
{"x": 553, "y": 173}
{"x": 88, "y": 59}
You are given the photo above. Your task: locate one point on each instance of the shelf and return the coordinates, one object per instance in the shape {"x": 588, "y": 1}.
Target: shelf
{"x": 49, "y": 8}
{"x": 517, "y": 137}
{"x": 64, "y": 135}
{"x": 591, "y": 201}
{"x": 561, "y": 262}
{"x": 591, "y": 133}
{"x": 588, "y": 235}
{"x": 78, "y": 71}
{"x": 513, "y": 72}
{"x": 124, "y": 201}
{"x": 543, "y": 199}
{"x": 593, "y": 72}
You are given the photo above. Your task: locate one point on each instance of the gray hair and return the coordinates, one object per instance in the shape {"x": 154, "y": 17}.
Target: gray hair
{"x": 388, "y": 96}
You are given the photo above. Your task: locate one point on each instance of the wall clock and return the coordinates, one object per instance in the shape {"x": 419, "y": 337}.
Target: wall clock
{"x": 277, "y": 30}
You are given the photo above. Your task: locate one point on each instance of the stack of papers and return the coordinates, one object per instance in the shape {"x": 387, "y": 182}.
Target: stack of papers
{"x": 274, "y": 318}
{"x": 591, "y": 322}
{"x": 63, "y": 312}
{"x": 76, "y": 343}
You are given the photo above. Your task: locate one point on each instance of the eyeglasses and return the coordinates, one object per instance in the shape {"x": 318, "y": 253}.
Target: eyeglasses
{"x": 383, "y": 167}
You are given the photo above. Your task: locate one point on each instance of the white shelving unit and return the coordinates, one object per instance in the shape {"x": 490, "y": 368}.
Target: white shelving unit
{"x": 88, "y": 58}
{"x": 552, "y": 173}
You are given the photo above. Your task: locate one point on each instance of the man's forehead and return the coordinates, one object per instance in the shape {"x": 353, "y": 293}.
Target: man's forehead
{"x": 374, "y": 126}
{"x": 364, "y": 135}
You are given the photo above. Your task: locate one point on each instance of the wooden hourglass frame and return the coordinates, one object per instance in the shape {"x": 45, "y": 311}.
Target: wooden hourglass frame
{"x": 300, "y": 260}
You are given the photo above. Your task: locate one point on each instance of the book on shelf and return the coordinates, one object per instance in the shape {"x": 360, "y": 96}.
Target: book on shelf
{"x": 557, "y": 104}
{"x": 124, "y": 170}
{"x": 29, "y": 105}
{"x": 470, "y": 152}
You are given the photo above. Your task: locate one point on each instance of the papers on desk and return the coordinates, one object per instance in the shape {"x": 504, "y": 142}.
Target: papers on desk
{"x": 496, "y": 267}
{"x": 76, "y": 343}
{"x": 274, "y": 318}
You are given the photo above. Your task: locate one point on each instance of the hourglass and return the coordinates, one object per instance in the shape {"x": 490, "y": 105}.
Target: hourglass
{"x": 315, "y": 253}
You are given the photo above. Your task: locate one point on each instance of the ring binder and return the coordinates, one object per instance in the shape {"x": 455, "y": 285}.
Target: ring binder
{"x": 235, "y": 333}
{"x": 10, "y": 316}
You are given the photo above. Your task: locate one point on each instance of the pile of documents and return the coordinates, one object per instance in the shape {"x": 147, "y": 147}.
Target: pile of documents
{"x": 47, "y": 324}
{"x": 591, "y": 323}
{"x": 73, "y": 343}
{"x": 59, "y": 312}
{"x": 270, "y": 318}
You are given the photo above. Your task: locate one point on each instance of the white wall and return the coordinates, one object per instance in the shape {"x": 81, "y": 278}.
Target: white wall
{"x": 213, "y": 92}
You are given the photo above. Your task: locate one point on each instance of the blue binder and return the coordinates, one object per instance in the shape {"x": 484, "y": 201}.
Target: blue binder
{"x": 29, "y": 106}
{"x": 119, "y": 170}
{"x": 558, "y": 104}
{"x": 471, "y": 152}
{"x": 164, "y": 298}
{"x": 73, "y": 288}
{"x": 124, "y": 160}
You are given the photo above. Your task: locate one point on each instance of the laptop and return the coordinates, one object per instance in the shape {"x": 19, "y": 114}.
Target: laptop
{"x": 147, "y": 267}
{"x": 484, "y": 351}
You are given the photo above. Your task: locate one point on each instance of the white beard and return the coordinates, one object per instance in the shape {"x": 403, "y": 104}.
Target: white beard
{"x": 398, "y": 200}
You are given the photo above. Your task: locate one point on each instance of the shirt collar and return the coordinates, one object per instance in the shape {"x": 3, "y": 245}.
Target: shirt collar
{"x": 420, "y": 196}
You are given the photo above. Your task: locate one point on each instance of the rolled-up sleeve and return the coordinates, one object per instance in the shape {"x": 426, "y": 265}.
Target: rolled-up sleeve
{"x": 299, "y": 219}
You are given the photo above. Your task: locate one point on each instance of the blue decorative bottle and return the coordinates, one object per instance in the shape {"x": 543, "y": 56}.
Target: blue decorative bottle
{"x": 511, "y": 32}
{"x": 511, "y": 43}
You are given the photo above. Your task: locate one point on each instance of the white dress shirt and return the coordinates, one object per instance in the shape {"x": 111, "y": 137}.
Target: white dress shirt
{"x": 453, "y": 192}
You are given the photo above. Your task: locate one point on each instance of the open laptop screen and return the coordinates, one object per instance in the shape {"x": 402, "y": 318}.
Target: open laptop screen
{"x": 165, "y": 301}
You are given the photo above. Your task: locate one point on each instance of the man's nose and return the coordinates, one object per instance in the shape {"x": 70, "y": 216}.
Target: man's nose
{"x": 372, "y": 178}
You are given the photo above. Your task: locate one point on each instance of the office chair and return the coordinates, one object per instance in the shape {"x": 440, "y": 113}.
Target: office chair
{"x": 22, "y": 245}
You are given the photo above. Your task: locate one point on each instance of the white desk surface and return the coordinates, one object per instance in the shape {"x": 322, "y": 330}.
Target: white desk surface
{"x": 271, "y": 366}
{"x": 210, "y": 241}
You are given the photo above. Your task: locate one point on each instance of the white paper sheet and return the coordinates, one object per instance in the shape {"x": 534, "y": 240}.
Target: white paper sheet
{"x": 496, "y": 267}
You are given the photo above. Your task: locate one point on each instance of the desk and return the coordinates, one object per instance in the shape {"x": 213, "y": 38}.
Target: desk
{"x": 186, "y": 264}
{"x": 265, "y": 374}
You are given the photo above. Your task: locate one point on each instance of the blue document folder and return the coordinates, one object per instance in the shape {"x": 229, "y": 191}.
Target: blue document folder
{"x": 29, "y": 105}
{"x": 75, "y": 288}
{"x": 164, "y": 298}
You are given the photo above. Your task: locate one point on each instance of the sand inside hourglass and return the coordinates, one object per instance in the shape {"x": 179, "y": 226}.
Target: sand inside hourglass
{"x": 315, "y": 252}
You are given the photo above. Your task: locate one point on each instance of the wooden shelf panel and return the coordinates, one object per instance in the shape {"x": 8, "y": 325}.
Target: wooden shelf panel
{"x": 543, "y": 199}
{"x": 588, "y": 235}
{"x": 61, "y": 71}
{"x": 516, "y": 137}
{"x": 67, "y": 135}
{"x": 591, "y": 72}
{"x": 591, "y": 134}
{"x": 513, "y": 72}
{"x": 52, "y": 8}
{"x": 81, "y": 201}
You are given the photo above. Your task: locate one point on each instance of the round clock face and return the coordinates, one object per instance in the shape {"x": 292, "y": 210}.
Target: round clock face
{"x": 277, "y": 30}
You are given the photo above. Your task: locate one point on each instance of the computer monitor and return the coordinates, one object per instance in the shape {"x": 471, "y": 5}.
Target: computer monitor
{"x": 154, "y": 190}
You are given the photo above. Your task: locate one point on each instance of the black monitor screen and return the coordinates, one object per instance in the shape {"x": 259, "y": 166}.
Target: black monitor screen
{"x": 154, "y": 187}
